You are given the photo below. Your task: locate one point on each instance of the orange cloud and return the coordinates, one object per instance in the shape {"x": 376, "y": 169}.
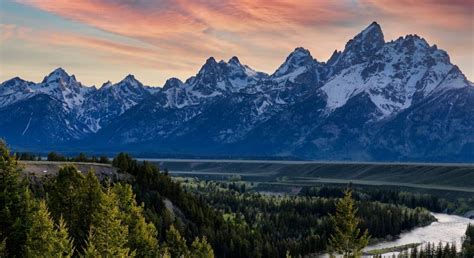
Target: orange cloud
{"x": 183, "y": 33}
{"x": 450, "y": 14}
{"x": 197, "y": 27}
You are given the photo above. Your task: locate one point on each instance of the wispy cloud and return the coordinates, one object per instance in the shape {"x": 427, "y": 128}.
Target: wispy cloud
{"x": 446, "y": 14}
{"x": 176, "y": 36}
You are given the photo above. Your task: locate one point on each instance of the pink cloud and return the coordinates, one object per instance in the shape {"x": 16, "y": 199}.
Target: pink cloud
{"x": 11, "y": 31}
{"x": 450, "y": 14}
{"x": 186, "y": 23}
{"x": 261, "y": 32}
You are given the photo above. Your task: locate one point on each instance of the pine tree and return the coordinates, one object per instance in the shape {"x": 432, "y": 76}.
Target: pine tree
{"x": 200, "y": 248}
{"x": 446, "y": 250}
{"x": 175, "y": 243}
{"x": 108, "y": 234}
{"x": 468, "y": 244}
{"x": 64, "y": 242}
{"x": 165, "y": 253}
{"x": 64, "y": 200}
{"x": 454, "y": 251}
{"x": 414, "y": 252}
{"x": 3, "y": 248}
{"x": 123, "y": 162}
{"x": 347, "y": 239}
{"x": 439, "y": 250}
{"x": 91, "y": 250}
{"x": 15, "y": 204}
{"x": 89, "y": 197}
{"x": 141, "y": 235}
{"x": 44, "y": 238}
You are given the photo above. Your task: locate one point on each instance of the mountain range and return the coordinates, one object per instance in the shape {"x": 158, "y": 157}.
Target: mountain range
{"x": 401, "y": 100}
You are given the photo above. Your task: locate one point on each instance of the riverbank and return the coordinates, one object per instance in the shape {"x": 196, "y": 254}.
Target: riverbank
{"x": 447, "y": 228}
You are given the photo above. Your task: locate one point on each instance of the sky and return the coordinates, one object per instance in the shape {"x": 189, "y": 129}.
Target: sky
{"x": 102, "y": 40}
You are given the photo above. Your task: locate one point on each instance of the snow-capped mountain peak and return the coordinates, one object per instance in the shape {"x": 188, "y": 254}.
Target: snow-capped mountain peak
{"x": 403, "y": 97}
{"x": 13, "y": 83}
{"x": 299, "y": 57}
{"x": 217, "y": 78}
{"x": 172, "y": 83}
{"x": 359, "y": 49}
{"x": 110, "y": 101}
{"x": 373, "y": 30}
{"x": 107, "y": 84}
{"x": 130, "y": 80}
{"x": 14, "y": 90}
{"x": 300, "y": 62}
{"x": 395, "y": 76}
{"x": 368, "y": 39}
{"x": 209, "y": 66}
{"x": 58, "y": 74}
{"x": 234, "y": 60}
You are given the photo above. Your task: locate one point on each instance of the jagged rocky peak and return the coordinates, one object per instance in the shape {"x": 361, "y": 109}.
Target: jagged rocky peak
{"x": 13, "y": 82}
{"x": 16, "y": 86}
{"x": 106, "y": 84}
{"x": 129, "y": 84}
{"x": 299, "y": 56}
{"x": 360, "y": 48}
{"x": 131, "y": 80}
{"x": 59, "y": 74}
{"x": 414, "y": 43}
{"x": 209, "y": 65}
{"x": 334, "y": 57}
{"x": 299, "y": 59}
{"x": 234, "y": 63}
{"x": 234, "y": 60}
{"x": 368, "y": 39}
{"x": 216, "y": 78}
{"x": 416, "y": 52}
{"x": 172, "y": 83}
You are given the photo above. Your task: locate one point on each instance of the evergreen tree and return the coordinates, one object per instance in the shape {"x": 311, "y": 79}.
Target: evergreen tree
{"x": 123, "y": 162}
{"x": 89, "y": 198}
{"x": 141, "y": 235}
{"x": 200, "y": 248}
{"x": 468, "y": 244}
{"x": 91, "y": 250}
{"x": 439, "y": 250}
{"x": 347, "y": 239}
{"x": 44, "y": 238}
{"x": 414, "y": 252}
{"x": 175, "y": 243}
{"x": 454, "y": 251}
{"x": 63, "y": 241}
{"x": 3, "y": 248}
{"x": 15, "y": 204}
{"x": 108, "y": 234}
{"x": 165, "y": 253}
{"x": 64, "y": 199}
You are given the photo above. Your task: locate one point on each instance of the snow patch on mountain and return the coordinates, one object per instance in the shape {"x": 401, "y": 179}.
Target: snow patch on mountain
{"x": 401, "y": 72}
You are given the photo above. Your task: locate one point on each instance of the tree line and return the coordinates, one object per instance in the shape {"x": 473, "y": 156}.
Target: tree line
{"x": 76, "y": 215}
{"x": 441, "y": 202}
{"x": 301, "y": 224}
{"x": 81, "y": 157}
{"x": 148, "y": 214}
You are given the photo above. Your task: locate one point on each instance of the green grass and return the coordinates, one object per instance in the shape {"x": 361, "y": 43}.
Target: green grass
{"x": 435, "y": 176}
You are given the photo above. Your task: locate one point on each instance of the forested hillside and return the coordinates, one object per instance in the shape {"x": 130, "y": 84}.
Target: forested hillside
{"x": 148, "y": 214}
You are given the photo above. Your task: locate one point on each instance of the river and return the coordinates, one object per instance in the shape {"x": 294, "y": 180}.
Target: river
{"x": 448, "y": 228}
